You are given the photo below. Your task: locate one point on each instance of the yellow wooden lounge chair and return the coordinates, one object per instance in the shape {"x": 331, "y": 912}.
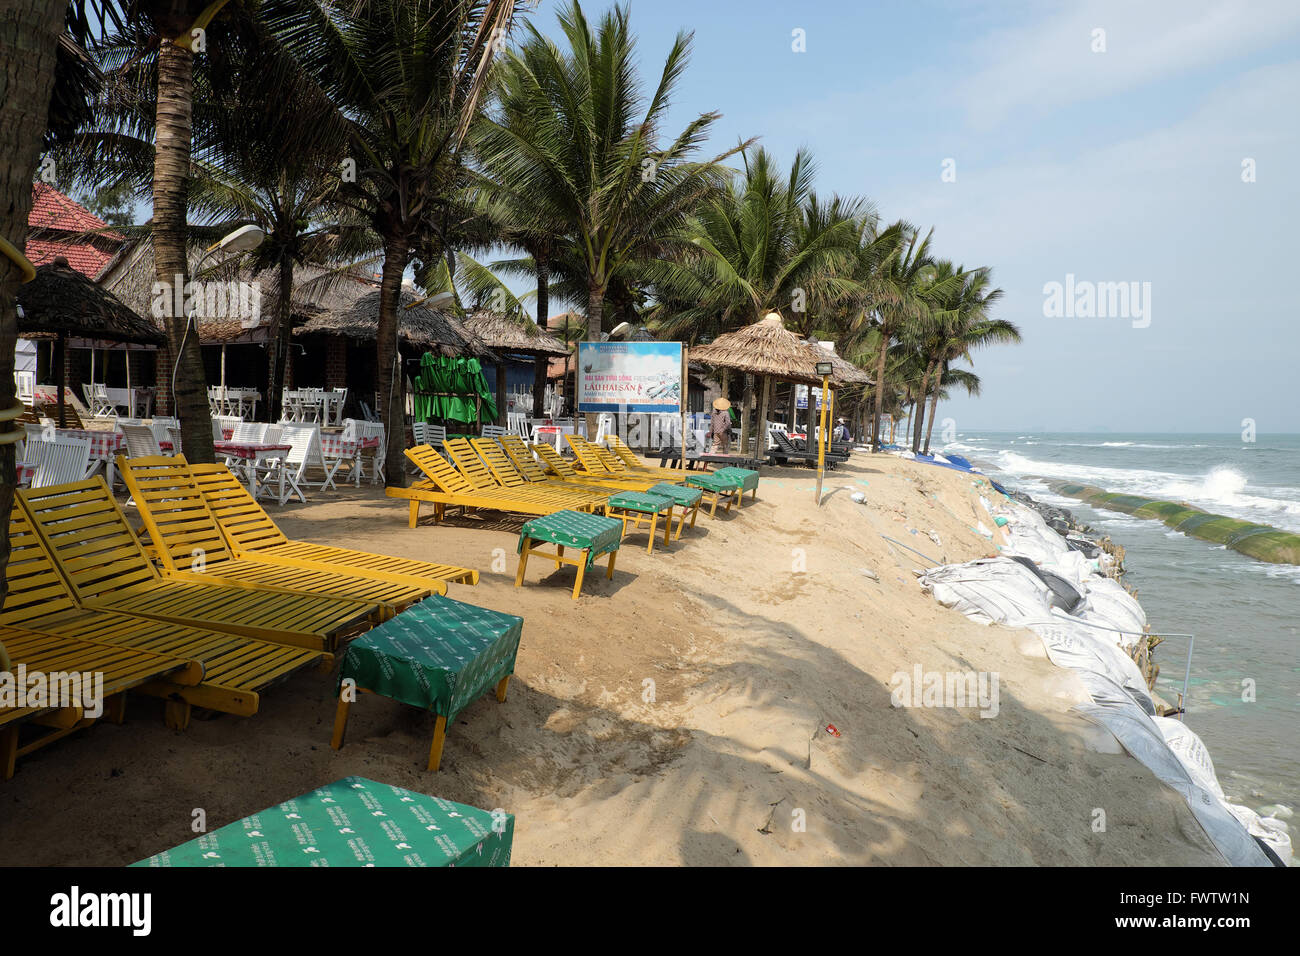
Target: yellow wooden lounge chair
{"x": 529, "y": 474}
{"x": 628, "y": 457}
{"x": 475, "y": 470}
{"x": 70, "y": 667}
{"x": 188, "y": 543}
{"x": 251, "y": 533}
{"x": 444, "y": 487}
{"x": 559, "y": 465}
{"x": 235, "y": 669}
{"x": 99, "y": 556}
{"x": 555, "y": 463}
{"x": 600, "y": 462}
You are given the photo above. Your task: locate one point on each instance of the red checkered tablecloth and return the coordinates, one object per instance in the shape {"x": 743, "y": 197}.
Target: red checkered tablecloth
{"x": 102, "y": 444}
{"x": 26, "y": 472}
{"x": 247, "y": 450}
{"x": 335, "y": 446}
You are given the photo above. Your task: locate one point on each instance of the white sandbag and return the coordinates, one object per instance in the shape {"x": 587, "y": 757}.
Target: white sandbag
{"x": 1076, "y": 645}
{"x": 991, "y": 590}
{"x": 1109, "y": 604}
{"x": 1189, "y": 749}
{"x": 1113, "y": 708}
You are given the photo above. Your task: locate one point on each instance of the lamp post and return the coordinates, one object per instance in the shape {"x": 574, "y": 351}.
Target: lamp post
{"x": 824, "y": 370}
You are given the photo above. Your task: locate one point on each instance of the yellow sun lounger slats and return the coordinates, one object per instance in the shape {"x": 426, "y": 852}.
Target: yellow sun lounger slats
{"x": 235, "y": 669}
{"x": 250, "y": 532}
{"x": 592, "y": 463}
{"x": 82, "y": 681}
{"x": 444, "y": 487}
{"x": 106, "y": 567}
{"x": 528, "y": 466}
{"x": 530, "y": 474}
{"x": 189, "y": 544}
{"x": 475, "y": 469}
{"x": 557, "y": 464}
{"x": 620, "y": 466}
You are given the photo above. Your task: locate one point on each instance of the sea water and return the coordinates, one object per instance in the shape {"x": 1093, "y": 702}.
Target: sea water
{"x": 1245, "y": 614}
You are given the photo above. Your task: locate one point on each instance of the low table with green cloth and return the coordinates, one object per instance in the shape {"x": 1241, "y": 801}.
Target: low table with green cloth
{"x": 688, "y": 499}
{"x": 439, "y": 655}
{"x": 748, "y": 479}
{"x": 354, "y": 822}
{"x": 641, "y": 507}
{"x": 716, "y": 486}
{"x": 592, "y": 535}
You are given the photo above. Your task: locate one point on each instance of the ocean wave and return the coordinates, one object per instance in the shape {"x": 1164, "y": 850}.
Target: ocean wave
{"x": 1223, "y": 490}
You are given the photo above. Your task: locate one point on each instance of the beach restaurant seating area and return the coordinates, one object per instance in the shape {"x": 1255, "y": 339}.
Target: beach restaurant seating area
{"x": 190, "y": 593}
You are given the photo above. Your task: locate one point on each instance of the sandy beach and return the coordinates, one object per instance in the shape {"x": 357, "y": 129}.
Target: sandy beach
{"x": 677, "y": 714}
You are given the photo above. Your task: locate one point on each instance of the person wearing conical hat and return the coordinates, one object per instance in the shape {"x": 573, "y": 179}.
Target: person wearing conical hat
{"x": 720, "y": 427}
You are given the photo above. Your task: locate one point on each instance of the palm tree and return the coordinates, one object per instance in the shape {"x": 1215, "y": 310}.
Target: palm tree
{"x": 407, "y": 77}
{"x": 969, "y": 329}
{"x": 593, "y": 157}
{"x": 765, "y": 243}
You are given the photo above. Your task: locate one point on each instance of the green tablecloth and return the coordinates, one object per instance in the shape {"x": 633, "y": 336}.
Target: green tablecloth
{"x": 354, "y": 822}
{"x": 748, "y": 479}
{"x": 439, "y": 655}
{"x": 575, "y": 529}
{"x": 713, "y": 482}
{"x": 681, "y": 495}
{"x": 642, "y": 501}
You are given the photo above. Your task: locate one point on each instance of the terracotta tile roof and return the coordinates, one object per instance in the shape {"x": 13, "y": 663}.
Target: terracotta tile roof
{"x": 51, "y": 209}
{"x": 61, "y": 227}
{"x": 87, "y": 258}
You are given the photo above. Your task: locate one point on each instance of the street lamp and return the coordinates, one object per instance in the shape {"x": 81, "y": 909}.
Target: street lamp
{"x": 823, "y": 369}
{"x": 244, "y": 239}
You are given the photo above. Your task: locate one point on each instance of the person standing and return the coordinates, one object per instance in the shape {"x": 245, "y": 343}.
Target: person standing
{"x": 720, "y": 427}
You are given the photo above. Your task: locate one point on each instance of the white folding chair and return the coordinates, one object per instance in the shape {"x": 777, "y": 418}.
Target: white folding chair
{"x": 141, "y": 442}
{"x": 493, "y": 431}
{"x": 59, "y": 460}
{"x": 305, "y": 451}
{"x": 517, "y": 424}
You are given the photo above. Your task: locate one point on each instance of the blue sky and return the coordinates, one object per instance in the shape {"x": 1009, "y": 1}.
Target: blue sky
{"x": 1115, "y": 166}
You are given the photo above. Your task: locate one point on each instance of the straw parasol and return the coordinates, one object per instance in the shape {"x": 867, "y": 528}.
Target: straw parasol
{"x": 61, "y": 302}
{"x": 507, "y": 335}
{"x": 419, "y": 326}
{"x": 768, "y": 349}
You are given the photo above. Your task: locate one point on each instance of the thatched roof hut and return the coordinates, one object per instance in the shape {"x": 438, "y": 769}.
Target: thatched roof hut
{"x": 61, "y": 301}
{"x": 419, "y": 326}
{"x": 131, "y": 277}
{"x": 768, "y": 348}
{"x": 510, "y": 335}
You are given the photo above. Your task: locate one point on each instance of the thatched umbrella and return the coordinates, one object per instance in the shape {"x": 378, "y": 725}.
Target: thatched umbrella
{"x": 506, "y": 335}
{"x": 418, "y": 325}
{"x": 61, "y": 302}
{"x": 770, "y": 350}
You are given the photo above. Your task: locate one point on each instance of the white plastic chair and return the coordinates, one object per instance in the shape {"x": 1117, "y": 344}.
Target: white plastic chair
{"x": 494, "y": 431}
{"x": 59, "y": 460}
{"x": 141, "y": 442}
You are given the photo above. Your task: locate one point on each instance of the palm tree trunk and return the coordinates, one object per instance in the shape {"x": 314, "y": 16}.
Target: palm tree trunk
{"x": 392, "y": 388}
{"x": 880, "y": 387}
{"x": 29, "y": 31}
{"x": 934, "y": 405}
{"x": 543, "y": 313}
{"x": 595, "y": 316}
{"x": 920, "y": 407}
{"x": 170, "y": 235}
{"x": 277, "y": 340}
{"x": 745, "y": 402}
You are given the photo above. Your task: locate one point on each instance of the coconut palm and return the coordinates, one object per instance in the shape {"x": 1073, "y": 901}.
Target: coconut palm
{"x": 970, "y": 328}
{"x": 407, "y": 76}
{"x": 764, "y": 243}
{"x": 595, "y": 156}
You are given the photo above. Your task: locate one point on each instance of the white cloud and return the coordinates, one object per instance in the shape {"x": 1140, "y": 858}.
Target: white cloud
{"x": 1050, "y": 63}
